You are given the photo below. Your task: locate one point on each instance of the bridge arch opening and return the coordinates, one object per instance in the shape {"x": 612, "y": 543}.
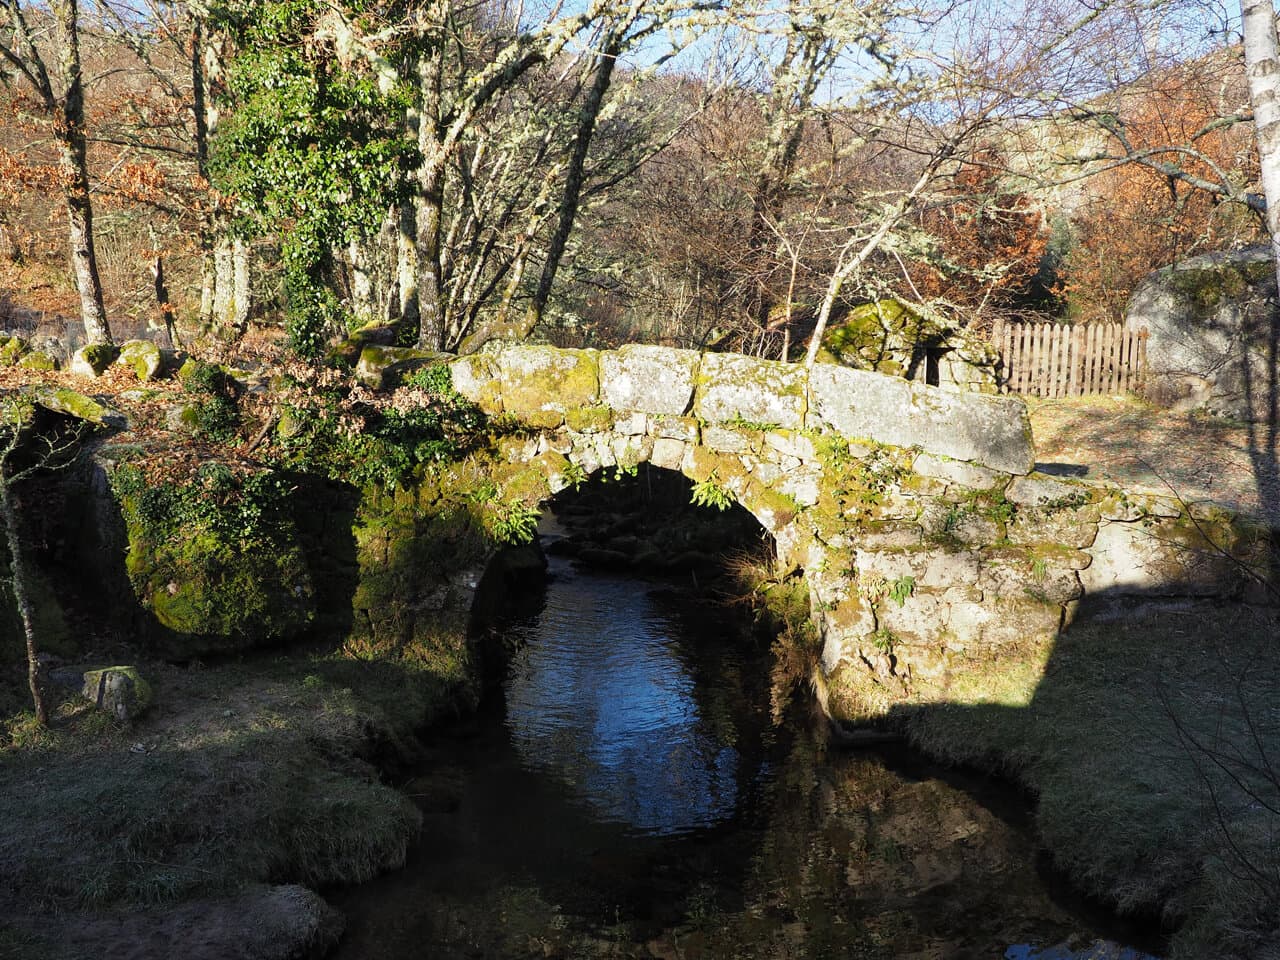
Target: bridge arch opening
{"x": 639, "y": 677}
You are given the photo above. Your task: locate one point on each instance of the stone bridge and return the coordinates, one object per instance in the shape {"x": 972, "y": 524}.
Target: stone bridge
{"x": 928, "y": 542}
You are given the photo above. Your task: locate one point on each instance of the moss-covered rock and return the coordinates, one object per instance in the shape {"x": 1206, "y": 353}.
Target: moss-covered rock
{"x": 38, "y": 360}
{"x": 217, "y": 562}
{"x": 382, "y": 367}
{"x": 120, "y": 692}
{"x": 142, "y": 357}
{"x": 72, "y": 403}
{"x": 745, "y": 390}
{"x": 93, "y": 360}
{"x": 347, "y": 352}
{"x": 541, "y": 384}
{"x": 12, "y": 349}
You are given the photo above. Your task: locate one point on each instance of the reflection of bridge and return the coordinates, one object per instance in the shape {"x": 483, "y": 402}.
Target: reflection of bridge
{"x": 927, "y": 541}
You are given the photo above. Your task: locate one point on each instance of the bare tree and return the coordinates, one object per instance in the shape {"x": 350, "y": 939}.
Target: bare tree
{"x": 22, "y": 455}
{"x": 59, "y": 95}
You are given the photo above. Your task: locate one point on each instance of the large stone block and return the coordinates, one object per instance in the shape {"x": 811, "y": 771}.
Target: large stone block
{"x": 539, "y": 384}
{"x": 734, "y": 387}
{"x": 1209, "y": 321}
{"x": 992, "y": 431}
{"x": 648, "y": 379}
{"x": 1165, "y": 558}
{"x": 476, "y": 378}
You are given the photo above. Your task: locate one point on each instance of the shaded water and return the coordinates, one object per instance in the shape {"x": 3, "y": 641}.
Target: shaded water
{"x": 628, "y": 796}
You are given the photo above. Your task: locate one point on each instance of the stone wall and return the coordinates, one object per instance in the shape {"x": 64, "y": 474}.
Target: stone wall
{"x": 930, "y": 548}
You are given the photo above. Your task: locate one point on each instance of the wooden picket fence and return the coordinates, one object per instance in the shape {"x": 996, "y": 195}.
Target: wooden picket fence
{"x": 1058, "y": 360}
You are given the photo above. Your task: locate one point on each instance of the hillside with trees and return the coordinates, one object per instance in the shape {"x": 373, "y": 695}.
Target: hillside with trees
{"x": 662, "y": 171}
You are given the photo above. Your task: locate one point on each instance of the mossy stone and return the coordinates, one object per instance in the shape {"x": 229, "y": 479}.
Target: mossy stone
{"x": 11, "y": 350}
{"x": 38, "y": 360}
{"x": 75, "y": 404}
{"x": 142, "y": 357}
{"x": 119, "y": 691}
{"x": 92, "y": 360}
{"x": 595, "y": 419}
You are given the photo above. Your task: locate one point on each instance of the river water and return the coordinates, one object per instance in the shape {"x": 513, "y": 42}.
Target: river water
{"x": 626, "y": 794}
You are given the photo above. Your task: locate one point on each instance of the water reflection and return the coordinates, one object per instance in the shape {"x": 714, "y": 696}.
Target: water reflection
{"x": 599, "y": 697}
{"x": 1099, "y": 950}
{"x": 631, "y": 800}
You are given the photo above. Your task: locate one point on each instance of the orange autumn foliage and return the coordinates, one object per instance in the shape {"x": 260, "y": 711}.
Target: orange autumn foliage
{"x": 988, "y": 241}
{"x": 1135, "y": 219}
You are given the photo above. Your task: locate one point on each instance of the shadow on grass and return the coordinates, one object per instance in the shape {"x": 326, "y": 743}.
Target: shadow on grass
{"x": 1151, "y": 740}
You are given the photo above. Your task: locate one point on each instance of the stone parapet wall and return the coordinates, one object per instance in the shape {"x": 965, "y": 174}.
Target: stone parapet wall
{"x": 542, "y": 385}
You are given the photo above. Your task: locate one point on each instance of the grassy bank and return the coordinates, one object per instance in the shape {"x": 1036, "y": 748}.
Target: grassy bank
{"x": 1153, "y": 745}
{"x": 267, "y": 771}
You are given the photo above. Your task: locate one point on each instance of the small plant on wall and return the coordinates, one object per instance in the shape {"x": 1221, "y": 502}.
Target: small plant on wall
{"x": 709, "y": 493}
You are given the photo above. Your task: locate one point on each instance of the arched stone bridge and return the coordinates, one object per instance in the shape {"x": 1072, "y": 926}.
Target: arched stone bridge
{"x": 928, "y": 542}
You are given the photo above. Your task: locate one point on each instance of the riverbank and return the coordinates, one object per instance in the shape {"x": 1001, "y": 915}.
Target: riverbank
{"x": 181, "y": 833}
{"x": 1150, "y": 742}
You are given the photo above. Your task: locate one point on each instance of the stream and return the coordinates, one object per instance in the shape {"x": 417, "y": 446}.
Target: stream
{"x": 627, "y": 794}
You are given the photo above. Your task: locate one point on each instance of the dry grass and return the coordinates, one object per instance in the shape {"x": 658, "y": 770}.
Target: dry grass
{"x": 238, "y": 774}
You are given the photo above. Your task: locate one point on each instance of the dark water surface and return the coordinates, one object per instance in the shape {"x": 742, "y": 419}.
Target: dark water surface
{"x": 629, "y": 796}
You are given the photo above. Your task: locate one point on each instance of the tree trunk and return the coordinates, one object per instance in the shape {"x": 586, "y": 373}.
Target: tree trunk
{"x": 1262, "y": 64}
{"x": 161, "y": 287}
{"x": 241, "y": 296}
{"x": 430, "y": 214}
{"x": 588, "y": 117}
{"x": 72, "y": 158}
{"x": 19, "y": 580}
{"x": 363, "y": 307}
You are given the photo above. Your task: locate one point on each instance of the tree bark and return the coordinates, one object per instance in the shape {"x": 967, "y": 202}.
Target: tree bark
{"x": 1262, "y": 65}
{"x": 588, "y": 118}
{"x": 19, "y": 581}
{"x": 68, "y": 125}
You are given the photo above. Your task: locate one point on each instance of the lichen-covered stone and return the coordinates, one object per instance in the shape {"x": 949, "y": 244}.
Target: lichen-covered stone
{"x": 475, "y": 378}
{"x": 1040, "y": 490}
{"x": 119, "y": 691}
{"x": 91, "y": 361}
{"x": 675, "y": 428}
{"x": 142, "y": 357}
{"x": 1161, "y": 558}
{"x": 1209, "y": 321}
{"x": 732, "y": 387}
{"x": 540, "y": 384}
{"x": 595, "y": 419}
{"x": 648, "y": 379}
{"x": 969, "y": 475}
{"x": 992, "y": 431}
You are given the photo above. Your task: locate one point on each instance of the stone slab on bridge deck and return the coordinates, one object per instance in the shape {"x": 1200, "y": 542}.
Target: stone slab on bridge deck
{"x": 541, "y": 386}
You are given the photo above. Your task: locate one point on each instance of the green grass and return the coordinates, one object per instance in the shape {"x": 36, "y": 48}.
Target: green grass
{"x": 1154, "y": 749}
